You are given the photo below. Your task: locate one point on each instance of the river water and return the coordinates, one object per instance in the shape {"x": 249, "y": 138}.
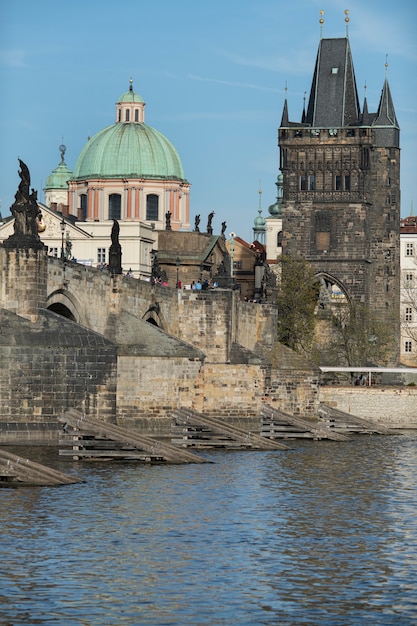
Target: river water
{"x": 325, "y": 533}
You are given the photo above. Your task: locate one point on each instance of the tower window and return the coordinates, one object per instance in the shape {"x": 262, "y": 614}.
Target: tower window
{"x": 127, "y": 115}
{"x": 365, "y": 158}
{"x": 279, "y": 239}
{"x": 312, "y": 182}
{"x": 338, "y": 183}
{"x": 115, "y": 203}
{"x": 136, "y": 115}
{"x": 347, "y": 182}
{"x": 152, "y": 206}
{"x": 303, "y": 183}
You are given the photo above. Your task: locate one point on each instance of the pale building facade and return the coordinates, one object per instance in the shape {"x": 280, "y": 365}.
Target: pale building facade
{"x": 408, "y": 251}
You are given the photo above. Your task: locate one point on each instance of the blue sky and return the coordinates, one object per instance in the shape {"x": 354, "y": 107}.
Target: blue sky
{"x": 212, "y": 75}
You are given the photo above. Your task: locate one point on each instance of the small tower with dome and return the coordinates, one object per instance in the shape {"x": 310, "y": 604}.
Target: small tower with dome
{"x": 259, "y": 223}
{"x": 273, "y": 224}
{"x": 56, "y": 184}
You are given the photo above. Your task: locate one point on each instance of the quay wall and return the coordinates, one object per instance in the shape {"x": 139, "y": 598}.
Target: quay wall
{"x": 394, "y": 407}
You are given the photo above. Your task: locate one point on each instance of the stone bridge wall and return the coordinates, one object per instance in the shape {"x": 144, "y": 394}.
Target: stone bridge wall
{"x": 212, "y": 320}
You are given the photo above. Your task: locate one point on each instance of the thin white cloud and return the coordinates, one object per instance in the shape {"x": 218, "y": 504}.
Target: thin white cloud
{"x": 14, "y": 57}
{"x": 231, "y": 83}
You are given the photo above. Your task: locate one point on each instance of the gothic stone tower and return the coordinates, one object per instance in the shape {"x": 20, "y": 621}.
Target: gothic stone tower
{"x": 341, "y": 196}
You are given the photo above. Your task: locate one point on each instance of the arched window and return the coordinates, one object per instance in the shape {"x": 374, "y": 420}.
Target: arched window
{"x": 136, "y": 115}
{"x": 152, "y": 202}
{"x": 127, "y": 116}
{"x": 83, "y": 207}
{"x": 279, "y": 239}
{"x": 115, "y": 203}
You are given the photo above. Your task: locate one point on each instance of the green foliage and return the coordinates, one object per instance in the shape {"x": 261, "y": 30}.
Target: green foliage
{"x": 297, "y": 300}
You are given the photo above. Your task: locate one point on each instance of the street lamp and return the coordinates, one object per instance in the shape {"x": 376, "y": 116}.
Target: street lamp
{"x": 63, "y": 227}
{"x": 178, "y": 263}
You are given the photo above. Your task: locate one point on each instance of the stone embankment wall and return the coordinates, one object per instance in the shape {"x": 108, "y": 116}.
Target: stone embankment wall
{"x": 395, "y": 407}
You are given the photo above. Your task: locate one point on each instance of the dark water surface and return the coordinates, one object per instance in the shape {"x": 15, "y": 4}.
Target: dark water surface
{"x": 323, "y": 534}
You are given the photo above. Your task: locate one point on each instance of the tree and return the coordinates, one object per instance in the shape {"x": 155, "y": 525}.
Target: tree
{"x": 297, "y": 300}
{"x": 358, "y": 338}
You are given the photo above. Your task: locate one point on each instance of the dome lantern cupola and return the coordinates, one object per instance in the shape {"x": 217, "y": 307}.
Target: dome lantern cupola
{"x": 130, "y": 108}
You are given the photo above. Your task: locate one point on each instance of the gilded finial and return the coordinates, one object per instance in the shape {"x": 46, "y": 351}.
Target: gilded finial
{"x": 347, "y": 21}
{"x": 321, "y": 22}
{"x": 131, "y": 83}
{"x": 386, "y": 64}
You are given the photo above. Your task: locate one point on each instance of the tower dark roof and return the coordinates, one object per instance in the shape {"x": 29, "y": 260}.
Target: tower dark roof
{"x": 386, "y": 113}
{"x": 333, "y": 98}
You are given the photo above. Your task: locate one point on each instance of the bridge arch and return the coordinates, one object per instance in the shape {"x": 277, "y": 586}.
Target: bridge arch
{"x": 332, "y": 291}
{"x": 64, "y": 303}
{"x": 153, "y": 315}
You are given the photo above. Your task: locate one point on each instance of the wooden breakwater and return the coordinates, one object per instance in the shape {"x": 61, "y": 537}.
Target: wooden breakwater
{"x": 342, "y": 422}
{"x": 193, "y": 429}
{"x": 86, "y": 438}
{"x": 17, "y": 471}
{"x": 280, "y": 425}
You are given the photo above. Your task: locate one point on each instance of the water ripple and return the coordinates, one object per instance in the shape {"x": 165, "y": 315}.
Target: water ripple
{"x": 323, "y": 534}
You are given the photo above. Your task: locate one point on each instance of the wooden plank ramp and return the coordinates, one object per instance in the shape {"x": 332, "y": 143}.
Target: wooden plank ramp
{"x": 281, "y": 425}
{"x": 343, "y": 422}
{"x": 17, "y": 471}
{"x": 202, "y": 431}
{"x": 91, "y": 438}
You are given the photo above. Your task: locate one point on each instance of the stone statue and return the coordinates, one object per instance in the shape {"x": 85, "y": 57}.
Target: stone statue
{"x": 168, "y": 220}
{"x": 223, "y": 229}
{"x": 209, "y": 226}
{"x": 26, "y": 213}
{"x": 115, "y": 252}
{"x": 197, "y": 224}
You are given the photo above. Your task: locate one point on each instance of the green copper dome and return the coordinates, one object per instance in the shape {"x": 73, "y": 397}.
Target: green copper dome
{"x": 58, "y": 178}
{"x": 128, "y": 150}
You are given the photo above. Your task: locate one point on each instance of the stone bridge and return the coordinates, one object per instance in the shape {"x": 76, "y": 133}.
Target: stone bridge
{"x": 126, "y": 351}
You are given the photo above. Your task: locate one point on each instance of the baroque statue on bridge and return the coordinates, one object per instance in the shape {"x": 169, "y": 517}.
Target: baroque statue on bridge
{"x": 26, "y": 213}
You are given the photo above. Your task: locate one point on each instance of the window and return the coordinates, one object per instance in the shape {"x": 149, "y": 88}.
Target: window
{"x": 136, "y": 115}
{"x": 312, "y": 182}
{"x": 409, "y": 249}
{"x": 115, "y": 203}
{"x": 152, "y": 202}
{"x": 365, "y": 158}
{"x": 279, "y": 239}
{"x": 237, "y": 265}
{"x": 408, "y": 346}
{"x": 303, "y": 183}
{"x": 409, "y": 279}
{"x": 347, "y": 182}
{"x": 337, "y": 182}
{"x": 83, "y": 206}
{"x": 101, "y": 255}
{"x": 408, "y": 314}
{"x": 53, "y": 252}
{"x": 127, "y": 115}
